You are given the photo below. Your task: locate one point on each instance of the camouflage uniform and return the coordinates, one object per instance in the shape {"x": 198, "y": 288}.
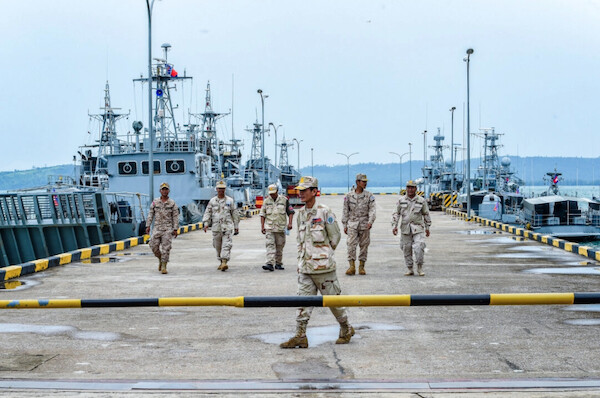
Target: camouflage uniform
{"x": 413, "y": 216}
{"x": 359, "y": 211}
{"x": 221, "y": 215}
{"x": 276, "y": 213}
{"x": 166, "y": 219}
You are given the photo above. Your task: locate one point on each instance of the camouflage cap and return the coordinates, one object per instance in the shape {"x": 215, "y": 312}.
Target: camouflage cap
{"x": 361, "y": 177}
{"x": 164, "y": 185}
{"x": 221, "y": 184}
{"x": 411, "y": 183}
{"x": 307, "y": 182}
{"x": 272, "y": 188}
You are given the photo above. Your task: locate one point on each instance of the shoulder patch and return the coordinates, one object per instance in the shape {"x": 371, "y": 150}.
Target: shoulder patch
{"x": 330, "y": 220}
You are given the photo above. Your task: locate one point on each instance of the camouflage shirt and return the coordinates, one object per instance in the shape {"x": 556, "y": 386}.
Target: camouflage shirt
{"x": 165, "y": 215}
{"x": 275, "y": 213}
{"x": 318, "y": 236}
{"x": 359, "y": 210}
{"x": 221, "y": 215}
{"x": 412, "y": 214}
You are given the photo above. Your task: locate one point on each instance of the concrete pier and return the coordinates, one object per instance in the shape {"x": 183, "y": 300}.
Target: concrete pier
{"x": 436, "y": 351}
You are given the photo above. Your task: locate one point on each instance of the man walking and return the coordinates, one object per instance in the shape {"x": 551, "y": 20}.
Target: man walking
{"x": 357, "y": 219}
{"x": 276, "y": 216}
{"x": 165, "y": 214}
{"x": 223, "y": 218}
{"x": 318, "y": 236}
{"x": 412, "y": 213}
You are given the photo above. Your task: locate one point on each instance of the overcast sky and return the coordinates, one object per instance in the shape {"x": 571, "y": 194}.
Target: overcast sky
{"x": 346, "y": 76}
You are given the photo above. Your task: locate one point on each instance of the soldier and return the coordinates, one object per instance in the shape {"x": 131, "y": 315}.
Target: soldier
{"x": 223, "y": 218}
{"x": 413, "y": 214}
{"x": 318, "y": 236}
{"x": 276, "y": 215}
{"x": 165, "y": 214}
{"x": 358, "y": 218}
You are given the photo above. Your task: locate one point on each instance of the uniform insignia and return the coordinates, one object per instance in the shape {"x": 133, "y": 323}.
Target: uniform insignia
{"x": 316, "y": 220}
{"x": 330, "y": 220}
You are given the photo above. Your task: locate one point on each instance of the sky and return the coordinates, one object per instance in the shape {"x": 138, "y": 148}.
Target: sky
{"x": 366, "y": 76}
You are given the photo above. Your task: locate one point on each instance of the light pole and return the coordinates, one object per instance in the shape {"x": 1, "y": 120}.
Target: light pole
{"x": 312, "y": 166}
{"x": 348, "y": 162}
{"x": 426, "y": 178}
{"x": 298, "y": 142}
{"x": 150, "y": 5}
{"x": 410, "y": 161}
{"x": 400, "y": 156}
{"x": 275, "y": 128}
{"x": 467, "y": 59}
{"x": 262, "y": 145}
{"x": 452, "y": 184}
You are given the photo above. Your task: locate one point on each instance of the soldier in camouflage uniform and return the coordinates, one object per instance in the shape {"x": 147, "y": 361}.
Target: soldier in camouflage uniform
{"x": 223, "y": 218}
{"x": 413, "y": 215}
{"x": 357, "y": 219}
{"x": 165, "y": 214}
{"x": 276, "y": 215}
{"x": 318, "y": 236}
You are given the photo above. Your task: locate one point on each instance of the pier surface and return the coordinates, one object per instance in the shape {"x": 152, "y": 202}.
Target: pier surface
{"x": 436, "y": 351}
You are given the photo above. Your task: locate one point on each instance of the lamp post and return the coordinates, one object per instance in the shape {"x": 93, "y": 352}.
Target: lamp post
{"x": 298, "y": 142}
{"x": 426, "y": 178}
{"x": 262, "y": 145}
{"x": 400, "y": 156}
{"x": 348, "y": 162}
{"x": 275, "y": 128}
{"x": 467, "y": 59}
{"x": 410, "y": 161}
{"x": 312, "y": 167}
{"x": 452, "y": 159}
{"x": 150, "y": 6}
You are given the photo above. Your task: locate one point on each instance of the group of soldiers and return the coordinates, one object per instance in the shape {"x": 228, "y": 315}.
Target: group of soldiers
{"x": 318, "y": 235}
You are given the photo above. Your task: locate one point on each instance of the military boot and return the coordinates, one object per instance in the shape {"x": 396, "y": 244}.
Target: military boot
{"x": 159, "y": 264}
{"x": 299, "y": 340}
{"x": 352, "y": 269}
{"x": 420, "y": 270}
{"x": 223, "y": 266}
{"x": 361, "y": 268}
{"x": 346, "y": 333}
{"x": 163, "y": 267}
{"x": 410, "y": 272}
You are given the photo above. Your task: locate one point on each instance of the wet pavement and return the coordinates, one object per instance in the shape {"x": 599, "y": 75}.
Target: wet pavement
{"x": 497, "y": 350}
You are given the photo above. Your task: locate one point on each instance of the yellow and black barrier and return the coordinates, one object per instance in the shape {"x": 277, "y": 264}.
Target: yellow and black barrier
{"x": 575, "y": 248}
{"x": 401, "y": 300}
{"x": 14, "y": 271}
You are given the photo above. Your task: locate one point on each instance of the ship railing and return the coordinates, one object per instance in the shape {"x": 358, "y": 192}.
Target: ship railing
{"x": 575, "y": 217}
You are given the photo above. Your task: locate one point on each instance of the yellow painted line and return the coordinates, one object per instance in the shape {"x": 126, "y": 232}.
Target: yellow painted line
{"x": 120, "y": 245}
{"x": 65, "y": 258}
{"x": 364, "y": 301}
{"x": 201, "y": 301}
{"x": 56, "y": 303}
{"x": 12, "y": 271}
{"x": 41, "y": 265}
{"x": 104, "y": 249}
{"x": 532, "y": 298}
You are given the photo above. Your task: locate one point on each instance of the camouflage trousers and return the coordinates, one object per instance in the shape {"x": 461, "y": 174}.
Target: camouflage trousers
{"x": 160, "y": 243}
{"x": 222, "y": 241}
{"x": 275, "y": 244}
{"x": 413, "y": 243}
{"x": 360, "y": 237}
{"x": 309, "y": 285}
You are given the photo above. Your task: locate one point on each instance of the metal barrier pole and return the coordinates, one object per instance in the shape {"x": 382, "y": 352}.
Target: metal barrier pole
{"x": 318, "y": 301}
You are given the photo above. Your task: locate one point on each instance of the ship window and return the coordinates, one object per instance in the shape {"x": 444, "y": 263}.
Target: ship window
{"x": 127, "y": 168}
{"x": 175, "y": 166}
{"x": 145, "y": 167}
